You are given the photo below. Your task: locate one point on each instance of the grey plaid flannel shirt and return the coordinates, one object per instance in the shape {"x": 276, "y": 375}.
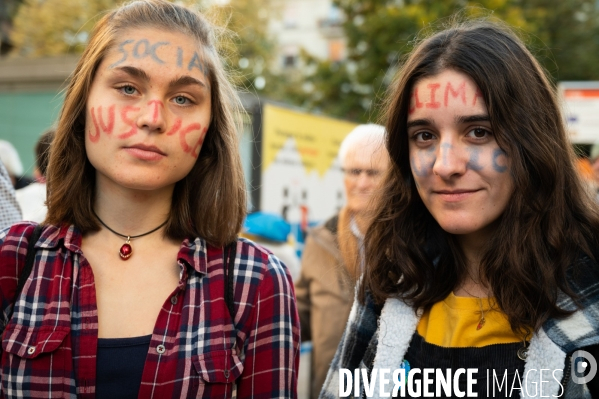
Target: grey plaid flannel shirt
{"x": 10, "y": 212}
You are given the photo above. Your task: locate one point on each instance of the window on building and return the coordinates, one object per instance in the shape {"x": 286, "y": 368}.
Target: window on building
{"x": 290, "y": 16}
{"x": 290, "y": 55}
{"x": 289, "y": 61}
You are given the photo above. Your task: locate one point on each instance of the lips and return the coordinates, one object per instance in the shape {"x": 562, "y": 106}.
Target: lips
{"x": 149, "y": 148}
{"x": 455, "y": 195}
{"x": 145, "y": 152}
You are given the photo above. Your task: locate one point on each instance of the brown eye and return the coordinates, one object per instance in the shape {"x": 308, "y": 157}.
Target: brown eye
{"x": 479, "y": 133}
{"x": 426, "y": 136}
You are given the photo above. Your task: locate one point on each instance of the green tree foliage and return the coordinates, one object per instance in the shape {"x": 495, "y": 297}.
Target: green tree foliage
{"x": 565, "y": 36}
{"x": 54, "y": 27}
{"x": 250, "y": 50}
{"x": 563, "y": 33}
{"x": 244, "y": 41}
{"x": 8, "y": 9}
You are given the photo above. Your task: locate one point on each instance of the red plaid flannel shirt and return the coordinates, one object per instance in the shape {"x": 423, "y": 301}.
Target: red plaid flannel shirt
{"x": 49, "y": 346}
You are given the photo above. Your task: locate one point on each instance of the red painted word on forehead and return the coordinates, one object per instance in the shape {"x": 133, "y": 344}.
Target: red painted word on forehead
{"x": 440, "y": 94}
{"x": 101, "y": 125}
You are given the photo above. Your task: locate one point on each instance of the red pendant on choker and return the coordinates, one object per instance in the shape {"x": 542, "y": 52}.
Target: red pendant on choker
{"x": 126, "y": 250}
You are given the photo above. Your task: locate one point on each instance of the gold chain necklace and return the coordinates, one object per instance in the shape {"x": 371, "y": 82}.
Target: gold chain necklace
{"x": 482, "y": 321}
{"x": 522, "y": 352}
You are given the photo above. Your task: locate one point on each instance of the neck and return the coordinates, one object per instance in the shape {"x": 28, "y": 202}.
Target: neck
{"x": 131, "y": 212}
{"x": 472, "y": 283}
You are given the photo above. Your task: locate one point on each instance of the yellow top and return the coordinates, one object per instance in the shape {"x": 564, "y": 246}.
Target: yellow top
{"x": 452, "y": 323}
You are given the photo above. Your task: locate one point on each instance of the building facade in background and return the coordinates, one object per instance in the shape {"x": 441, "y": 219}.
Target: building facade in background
{"x": 314, "y": 25}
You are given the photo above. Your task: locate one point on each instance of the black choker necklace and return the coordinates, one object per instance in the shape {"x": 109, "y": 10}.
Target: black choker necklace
{"x": 126, "y": 251}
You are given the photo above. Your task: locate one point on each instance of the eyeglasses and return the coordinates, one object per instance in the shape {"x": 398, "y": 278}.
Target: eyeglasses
{"x": 355, "y": 173}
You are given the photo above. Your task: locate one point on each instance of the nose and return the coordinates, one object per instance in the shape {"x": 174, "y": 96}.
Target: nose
{"x": 152, "y": 117}
{"x": 452, "y": 160}
{"x": 364, "y": 181}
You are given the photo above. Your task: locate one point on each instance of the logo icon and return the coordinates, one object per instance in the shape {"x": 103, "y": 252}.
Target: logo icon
{"x": 583, "y": 362}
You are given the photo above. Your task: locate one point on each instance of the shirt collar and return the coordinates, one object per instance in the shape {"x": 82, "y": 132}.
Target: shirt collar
{"x": 193, "y": 253}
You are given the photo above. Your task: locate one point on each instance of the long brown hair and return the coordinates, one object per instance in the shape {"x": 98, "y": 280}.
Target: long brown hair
{"x": 550, "y": 219}
{"x": 210, "y": 202}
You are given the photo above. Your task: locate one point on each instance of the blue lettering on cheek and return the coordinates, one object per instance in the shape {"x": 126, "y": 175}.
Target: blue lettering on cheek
{"x": 496, "y": 154}
{"x": 121, "y": 49}
{"x": 473, "y": 161}
{"x": 137, "y": 53}
{"x": 426, "y": 167}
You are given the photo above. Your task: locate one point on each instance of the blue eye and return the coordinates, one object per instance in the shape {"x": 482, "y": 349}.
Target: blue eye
{"x": 128, "y": 90}
{"x": 181, "y": 100}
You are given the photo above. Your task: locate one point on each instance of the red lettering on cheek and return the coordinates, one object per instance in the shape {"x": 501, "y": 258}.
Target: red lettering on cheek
{"x": 107, "y": 128}
{"x": 128, "y": 121}
{"x": 433, "y": 103}
{"x": 477, "y": 95}
{"x": 184, "y": 132}
{"x": 175, "y": 127}
{"x": 94, "y": 137}
{"x": 196, "y": 148}
{"x": 157, "y": 103}
{"x": 460, "y": 91}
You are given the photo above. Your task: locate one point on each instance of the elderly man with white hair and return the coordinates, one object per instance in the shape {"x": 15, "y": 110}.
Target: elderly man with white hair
{"x": 333, "y": 260}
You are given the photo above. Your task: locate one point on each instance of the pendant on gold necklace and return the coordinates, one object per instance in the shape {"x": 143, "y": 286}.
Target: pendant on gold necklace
{"x": 482, "y": 321}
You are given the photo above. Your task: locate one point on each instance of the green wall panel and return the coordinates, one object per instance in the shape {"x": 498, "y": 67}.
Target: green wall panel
{"x": 23, "y": 117}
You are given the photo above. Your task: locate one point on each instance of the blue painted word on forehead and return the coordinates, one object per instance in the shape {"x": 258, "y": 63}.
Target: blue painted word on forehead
{"x": 143, "y": 48}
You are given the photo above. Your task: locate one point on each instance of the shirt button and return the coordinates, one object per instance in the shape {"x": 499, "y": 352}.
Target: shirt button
{"x": 174, "y": 300}
{"x": 227, "y": 374}
{"x": 160, "y": 349}
{"x": 31, "y": 350}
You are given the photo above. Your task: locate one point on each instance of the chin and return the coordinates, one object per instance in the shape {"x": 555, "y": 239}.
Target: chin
{"x": 143, "y": 184}
{"x": 458, "y": 227}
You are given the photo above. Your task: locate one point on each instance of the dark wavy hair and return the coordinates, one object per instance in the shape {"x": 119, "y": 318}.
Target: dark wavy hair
{"x": 210, "y": 202}
{"x": 550, "y": 220}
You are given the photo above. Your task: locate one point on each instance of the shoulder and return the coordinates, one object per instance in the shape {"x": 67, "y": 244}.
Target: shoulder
{"x": 14, "y": 237}
{"x": 581, "y": 328}
{"x": 332, "y": 224}
{"x": 13, "y": 250}
{"x": 14, "y": 240}
{"x": 258, "y": 260}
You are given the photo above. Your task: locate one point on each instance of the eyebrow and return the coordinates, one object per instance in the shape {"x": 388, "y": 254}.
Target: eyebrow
{"x": 472, "y": 118}
{"x": 135, "y": 72}
{"x": 177, "y": 82}
{"x": 187, "y": 80}
{"x": 419, "y": 122}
